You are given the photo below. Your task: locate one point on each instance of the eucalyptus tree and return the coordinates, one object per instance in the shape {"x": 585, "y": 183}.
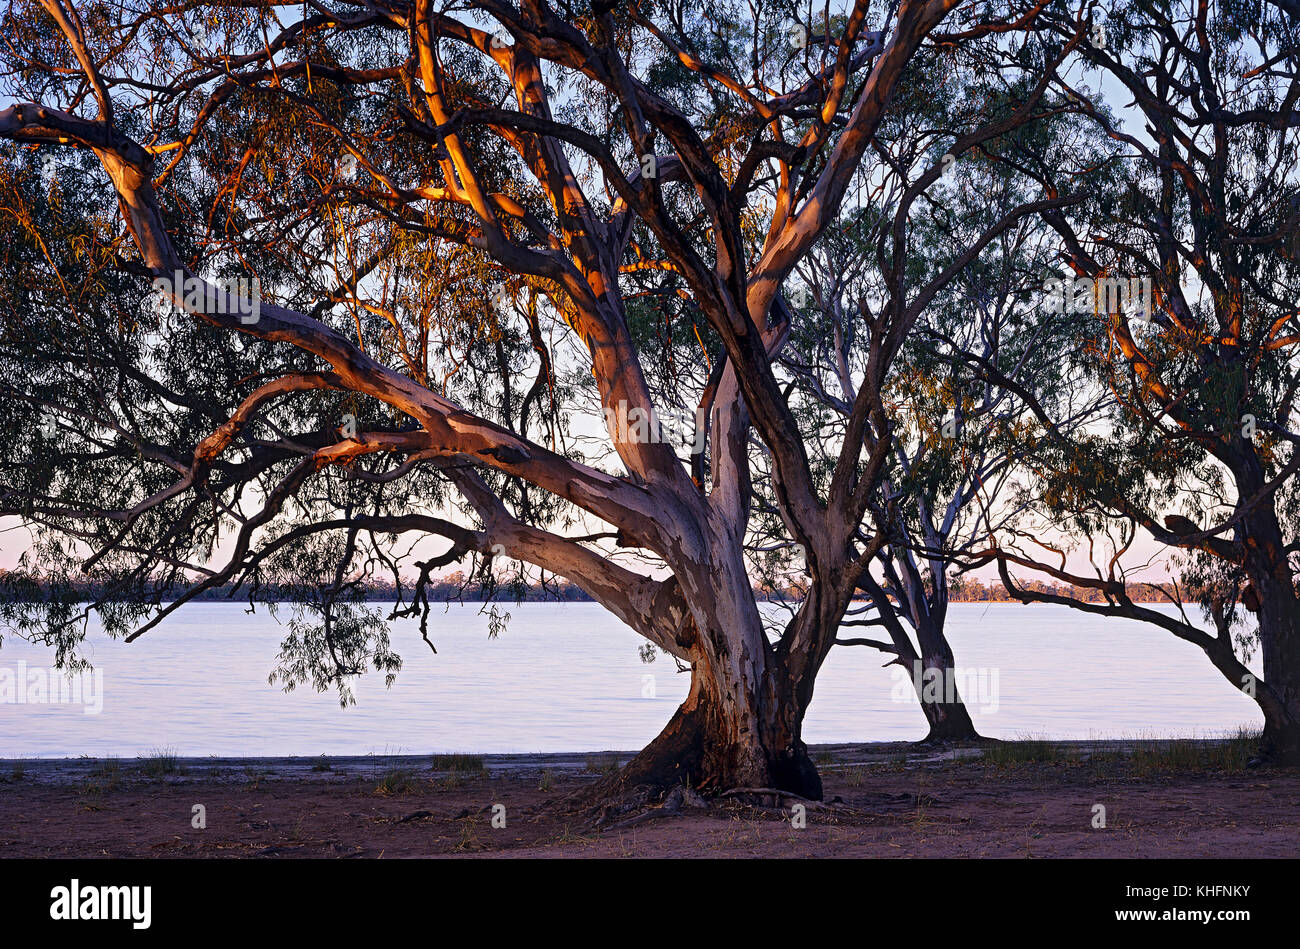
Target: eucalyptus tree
{"x": 953, "y": 477}
{"x": 1200, "y": 452}
{"x": 436, "y": 209}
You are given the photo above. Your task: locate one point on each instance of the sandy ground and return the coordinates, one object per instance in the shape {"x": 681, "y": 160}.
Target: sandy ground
{"x": 883, "y": 801}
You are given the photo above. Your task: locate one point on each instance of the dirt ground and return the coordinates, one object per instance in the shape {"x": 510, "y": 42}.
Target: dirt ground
{"x": 881, "y": 801}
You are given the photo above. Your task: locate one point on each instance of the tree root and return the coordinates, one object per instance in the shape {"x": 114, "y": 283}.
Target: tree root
{"x": 942, "y": 741}
{"x": 778, "y": 798}
{"x": 675, "y": 801}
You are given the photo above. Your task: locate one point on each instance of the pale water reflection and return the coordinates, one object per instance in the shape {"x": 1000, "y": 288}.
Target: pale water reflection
{"x": 567, "y": 677}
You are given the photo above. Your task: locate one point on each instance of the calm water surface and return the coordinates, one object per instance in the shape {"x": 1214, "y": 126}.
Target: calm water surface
{"x": 567, "y": 677}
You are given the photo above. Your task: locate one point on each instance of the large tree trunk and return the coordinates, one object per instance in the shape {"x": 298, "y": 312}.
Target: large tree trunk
{"x": 1280, "y": 741}
{"x": 1273, "y": 598}
{"x": 740, "y": 726}
{"x": 716, "y": 742}
{"x": 946, "y": 715}
{"x": 1279, "y": 636}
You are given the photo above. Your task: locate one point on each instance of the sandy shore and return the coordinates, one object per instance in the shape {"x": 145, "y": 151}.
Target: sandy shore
{"x": 1161, "y": 799}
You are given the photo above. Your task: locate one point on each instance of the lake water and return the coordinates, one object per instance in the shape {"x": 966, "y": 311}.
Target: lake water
{"x": 567, "y": 677}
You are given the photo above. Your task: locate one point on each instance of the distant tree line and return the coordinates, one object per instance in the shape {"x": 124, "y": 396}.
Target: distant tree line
{"x": 17, "y": 587}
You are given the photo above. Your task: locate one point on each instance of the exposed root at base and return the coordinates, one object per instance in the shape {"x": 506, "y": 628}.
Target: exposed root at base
{"x": 595, "y": 809}
{"x": 944, "y": 742}
{"x": 776, "y": 798}
{"x": 675, "y": 802}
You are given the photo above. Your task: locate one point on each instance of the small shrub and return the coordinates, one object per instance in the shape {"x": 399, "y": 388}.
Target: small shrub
{"x": 160, "y": 762}
{"x": 396, "y": 781}
{"x": 463, "y": 764}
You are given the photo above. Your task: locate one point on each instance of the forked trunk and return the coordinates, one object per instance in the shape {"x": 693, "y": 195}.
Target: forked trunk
{"x": 934, "y": 680}
{"x": 740, "y": 726}
{"x": 944, "y": 708}
{"x": 932, "y": 669}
